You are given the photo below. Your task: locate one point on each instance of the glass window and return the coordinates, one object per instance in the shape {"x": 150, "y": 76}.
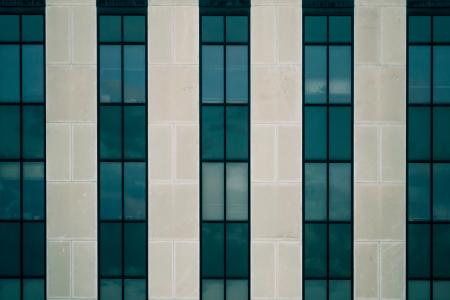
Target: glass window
{"x": 12, "y": 23}
{"x": 340, "y": 133}
{"x": 212, "y": 132}
{"x": 110, "y": 73}
{"x": 340, "y": 203}
{"x": 135, "y": 135}
{"x": 315, "y": 290}
{"x": 340, "y": 290}
{"x": 340, "y": 29}
{"x": 135, "y": 289}
{"x": 441, "y": 249}
{"x": 237, "y": 132}
{"x": 315, "y": 191}
{"x": 340, "y": 248}
{"x": 135, "y": 249}
{"x": 10, "y": 289}
{"x": 419, "y": 290}
{"x": 110, "y": 132}
{"x": 418, "y": 253}
{"x": 419, "y": 74}
{"x": 10, "y": 250}
{"x": 237, "y": 249}
{"x": 237, "y": 74}
{"x": 237, "y": 29}
{"x": 33, "y": 131}
{"x": 212, "y": 249}
{"x": 33, "y": 73}
{"x": 33, "y": 249}
{"x": 419, "y": 192}
{"x": 237, "y": 191}
{"x": 111, "y": 249}
{"x": 441, "y": 136}
{"x": 441, "y": 289}
{"x": 441, "y": 76}
{"x": 9, "y": 72}
{"x": 33, "y": 190}
{"x": 315, "y": 132}
{"x": 135, "y": 191}
{"x": 33, "y": 289}
{"x": 441, "y": 192}
{"x": 419, "y": 123}
{"x": 315, "y": 257}
{"x": 340, "y": 74}
{"x": 9, "y": 131}
{"x": 419, "y": 29}
{"x": 212, "y": 289}
{"x": 315, "y": 74}
{"x": 134, "y": 28}
{"x": 212, "y": 29}
{"x": 212, "y": 74}
{"x": 110, "y": 29}
{"x": 212, "y": 191}
{"x": 32, "y": 28}
{"x": 237, "y": 289}
{"x": 111, "y": 289}
{"x": 9, "y": 191}
{"x": 110, "y": 191}
{"x": 441, "y": 26}
{"x": 315, "y": 29}
{"x": 134, "y": 74}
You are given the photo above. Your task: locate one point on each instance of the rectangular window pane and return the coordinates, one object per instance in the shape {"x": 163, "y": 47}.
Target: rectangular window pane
{"x": 315, "y": 133}
{"x": 134, "y": 28}
{"x": 441, "y": 192}
{"x": 110, "y": 28}
{"x": 134, "y": 74}
{"x": 110, "y": 73}
{"x": 315, "y": 192}
{"x": 9, "y": 191}
{"x": 340, "y": 192}
{"x": 10, "y": 250}
{"x": 340, "y": 61}
{"x": 135, "y": 289}
{"x": 418, "y": 250}
{"x": 33, "y": 289}
{"x": 340, "y": 250}
{"x": 9, "y": 131}
{"x": 212, "y": 74}
{"x": 340, "y": 133}
{"x": 419, "y": 74}
{"x": 212, "y": 289}
{"x": 33, "y": 73}
{"x": 32, "y": 28}
{"x": 110, "y": 191}
{"x": 33, "y": 131}
{"x": 237, "y": 132}
{"x": 441, "y": 25}
{"x": 34, "y": 249}
{"x": 212, "y": 132}
{"x": 12, "y": 23}
{"x": 135, "y": 191}
{"x": 419, "y": 29}
{"x": 237, "y": 191}
{"x": 418, "y": 290}
{"x": 315, "y": 74}
{"x": 9, "y": 72}
{"x": 340, "y": 290}
{"x": 315, "y": 290}
{"x": 237, "y": 289}
{"x": 10, "y": 289}
{"x": 315, "y": 29}
{"x": 441, "y": 250}
{"x": 212, "y": 249}
{"x": 212, "y": 191}
{"x": 419, "y": 192}
{"x": 111, "y": 289}
{"x": 111, "y": 249}
{"x": 237, "y": 74}
{"x": 110, "y": 132}
{"x": 135, "y": 135}
{"x": 315, "y": 256}
{"x": 340, "y": 29}
{"x": 419, "y": 122}
{"x": 237, "y": 29}
{"x": 441, "y": 289}
{"x": 135, "y": 249}
{"x": 441, "y": 136}
{"x": 237, "y": 249}
{"x": 441, "y": 75}
{"x": 33, "y": 190}
{"x": 212, "y": 28}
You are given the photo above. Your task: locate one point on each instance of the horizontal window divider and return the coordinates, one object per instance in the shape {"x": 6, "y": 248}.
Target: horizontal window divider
{"x": 225, "y": 43}
{"x": 429, "y": 105}
{"x": 432, "y": 161}
{"x": 125, "y": 277}
{"x": 327, "y": 222}
{"x": 328, "y": 104}
{"x": 118, "y": 160}
{"x": 324, "y": 161}
{"x": 21, "y": 103}
{"x": 18, "y": 43}
{"x": 428, "y": 43}
{"x": 124, "y": 221}
{"x": 226, "y": 278}
{"x": 121, "y": 43}
{"x": 327, "y": 278}
{"x": 440, "y": 278}
{"x": 120, "y": 104}
{"x": 430, "y": 222}
{"x": 22, "y": 160}
{"x": 224, "y": 221}
{"x": 21, "y": 277}
{"x": 225, "y": 104}
{"x": 225, "y": 160}
{"x": 328, "y": 44}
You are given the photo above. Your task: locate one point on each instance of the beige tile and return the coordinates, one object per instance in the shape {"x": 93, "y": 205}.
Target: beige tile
{"x": 160, "y": 269}
{"x": 58, "y": 151}
{"x": 367, "y": 35}
{"x": 394, "y": 34}
{"x": 289, "y": 152}
{"x": 174, "y": 2}
{"x": 263, "y": 35}
{"x": 263, "y": 152}
{"x": 289, "y": 34}
{"x": 84, "y": 269}
{"x": 84, "y": 35}
{"x": 392, "y": 96}
{"x": 70, "y": 2}
{"x": 393, "y": 271}
{"x": 380, "y": 2}
{"x": 276, "y": 2}
{"x": 84, "y": 152}
{"x": 187, "y": 272}
{"x": 366, "y": 271}
{"x": 186, "y": 29}
{"x": 393, "y": 153}
{"x": 58, "y": 35}
{"x": 58, "y": 269}
{"x": 160, "y": 152}
{"x": 263, "y": 270}
{"x": 367, "y": 93}
{"x": 187, "y": 152}
{"x": 160, "y": 34}
{"x": 367, "y": 156}
{"x": 289, "y": 270}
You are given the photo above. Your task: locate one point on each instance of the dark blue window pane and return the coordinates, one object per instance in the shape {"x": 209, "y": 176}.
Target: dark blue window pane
{"x": 315, "y": 133}
{"x": 33, "y": 73}
{"x": 419, "y": 29}
{"x": 315, "y": 191}
{"x": 33, "y": 249}
{"x": 134, "y": 74}
{"x": 212, "y": 74}
{"x": 110, "y": 73}
{"x": 237, "y": 289}
{"x": 9, "y": 191}
{"x": 441, "y": 75}
{"x": 110, "y": 132}
{"x": 340, "y": 133}
{"x": 12, "y": 23}
{"x": 419, "y": 73}
{"x": 419, "y": 192}
{"x": 33, "y": 289}
{"x": 9, "y": 289}
{"x": 340, "y": 250}
{"x": 135, "y": 135}
{"x": 315, "y": 290}
{"x": 441, "y": 290}
{"x": 237, "y": 132}
{"x": 10, "y": 249}
{"x": 441, "y": 29}
{"x": 135, "y": 191}
{"x": 33, "y": 190}
{"x": 419, "y": 137}
{"x": 9, "y": 131}
{"x": 340, "y": 29}
{"x": 213, "y": 289}
{"x": 237, "y": 74}
{"x": 135, "y": 249}
{"x": 212, "y": 191}
{"x": 237, "y": 29}
{"x": 340, "y": 290}
{"x": 212, "y": 249}
{"x": 419, "y": 290}
{"x": 134, "y": 28}
{"x": 33, "y": 131}
{"x": 340, "y": 192}
{"x": 32, "y": 28}
{"x": 441, "y": 250}
{"x": 237, "y": 191}
{"x": 315, "y": 257}
{"x": 441, "y": 192}
{"x": 9, "y": 72}
{"x": 110, "y": 191}
{"x": 111, "y": 249}
{"x": 135, "y": 289}
{"x": 111, "y": 289}
{"x": 110, "y": 29}
{"x": 237, "y": 249}
{"x": 315, "y": 74}
{"x": 315, "y": 29}
{"x": 441, "y": 136}
{"x": 418, "y": 250}
{"x": 212, "y": 29}
{"x": 212, "y": 132}
{"x": 340, "y": 74}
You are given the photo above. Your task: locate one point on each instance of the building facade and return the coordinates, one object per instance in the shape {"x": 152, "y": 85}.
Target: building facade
{"x": 224, "y": 149}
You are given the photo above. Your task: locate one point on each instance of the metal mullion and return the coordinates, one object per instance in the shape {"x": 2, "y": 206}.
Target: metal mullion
{"x": 122, "y": 153}
{"x": 431, "y": 156}
{"x": 303, "y": 160}
{"x": 21, "y": 152}
{"x": 99, "y": 221}
{"x": 328, "y": 158}
{"x": 225, "y": 271}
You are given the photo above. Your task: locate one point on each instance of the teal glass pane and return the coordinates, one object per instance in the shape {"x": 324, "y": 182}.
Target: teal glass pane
{"x": 237, "y": 289}
{"x": 315, "y": 29}
{"x": 134, "y": 28}
{"x": 419, "y": 192}
{"x": 441, "y": 76}
{"x": 419, "y": 29}
{"x": 33, "y": 28}
{"x": 111, "y": 289}
{"x": 419, "y": 74}
{"x": 315, "y": 290}
{"x": 110, "y": 191}
{"x": 237, "y": 132}
{"x": 237, "y": 74}
{"x": 340, "y": 123}
{"x": 33, "y": 190}
{"x": 441, "y": 192}
{"x": 33, "y": 289}
{"x": 33, "y": 73}
{"x": 418, "y": 250}
{"x": 134, "y": 74}
{"x": 212, "y": 74}
{"x": 9, "y": 131}
{"x": 34, "y": 249}
{"x": 340, "y": 29}
{"x": 315, "y": 256}
{"x": 418, "y": 290}
{"x": 340, "y": 192}
{"x": 110, "y": 132}
{"x": 9, "y": 72}
{"x": 110, "y": 249}
{"x": 110, "y": 73}
{"x": 110, "y": 28}
{"x": 315, "y": 132}
{"x": 10, "y": 249}
{"x": 213, "y": 289}
{"x": 315, "y": 74}
{"x": 212, "y": 132}
{"x": 135, "y": 190}
{"x": 135, "y": 132}
{"x": 135, "y": 289}
{"x": 9, "y": 289}
{"x": 441, "y": 249}
{"x": 340, "y": 79}
{"x": 12, "y": 23}
{"x": 440, "y": 27}
{"x": 212, "y": 29}
{"x": 212, "y": 191}
{"x": 33, "y": 118}
{"x": 419, "y": 132}
{"x": 237, "y": 191}
{"x": 315, "y": 192}
{"x": 237, "y": 250}
{"x": 9, "y": 191}
{"x": 340, "y": 248}
{"x": 441, "y": 289}
{"x": 135, "y": 258}
{"x": 340, "y": 290}
{"x": 212, "y": 249}
{"x": 441, "y": 136}
{"x": 237, "y": 29}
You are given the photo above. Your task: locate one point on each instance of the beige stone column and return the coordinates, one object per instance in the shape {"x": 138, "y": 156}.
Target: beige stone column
{"x": 173, "y": 149}
{"x": 380, "y": 148}
{"x": 71, "y": 149}
{"x": 276, "y": 149}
